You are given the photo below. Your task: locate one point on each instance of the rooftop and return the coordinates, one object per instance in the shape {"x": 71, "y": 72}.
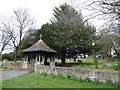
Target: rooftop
{"x": 39, "y": 46}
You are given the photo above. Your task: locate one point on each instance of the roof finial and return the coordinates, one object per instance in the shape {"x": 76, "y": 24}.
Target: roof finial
{"x": 40, "y": 36}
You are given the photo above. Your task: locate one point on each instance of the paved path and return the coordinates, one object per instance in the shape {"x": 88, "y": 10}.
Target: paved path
{"x": 12, "y": 74}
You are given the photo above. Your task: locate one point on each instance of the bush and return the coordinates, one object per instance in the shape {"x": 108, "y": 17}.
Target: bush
{"x": 96, "y": 81}
{"x": 52, "y": 75}
{"x": 61, "y": 76}
{"x": 9, "y": 56}
{"x": 81, "y": 80}
{"x": 72, "y": 77}
{"x": 114, "y": 58}
{"x": 110, "y": 82}
{"x": 87, "y": 79}
{"x": 68, "y": 76}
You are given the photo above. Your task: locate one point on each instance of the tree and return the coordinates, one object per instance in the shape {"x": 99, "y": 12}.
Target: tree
{"x": 107, "y": 44}
{"x": 74, "y": 51}
{"x": 17, "y": 27}
{"x": 108, "y": 10}
{"x": 91, "y": 40}
{"x": 67, "y": 23}
{"x": 4, "y": 40}
{"x": 110, "y": 39}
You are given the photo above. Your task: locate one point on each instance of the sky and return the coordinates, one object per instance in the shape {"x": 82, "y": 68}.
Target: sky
{"x": 41, "y": 10}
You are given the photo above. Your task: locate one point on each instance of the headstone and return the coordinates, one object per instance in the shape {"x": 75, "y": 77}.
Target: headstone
{"x": 52, "y": 64}
{"x": 4, "y": 60}
{"x": 25, "y": 65}
{"x": 109, "y": 64}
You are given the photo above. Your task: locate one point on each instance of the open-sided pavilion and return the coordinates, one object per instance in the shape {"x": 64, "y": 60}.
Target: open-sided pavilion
{"x": 41, "y": 50}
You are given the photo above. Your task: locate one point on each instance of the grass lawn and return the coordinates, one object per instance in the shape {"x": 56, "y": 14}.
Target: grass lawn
{"x": 93, "y": 67}
{"x": 4, "y": 69}
{"x": 101, "y": 64}
{"x": 37, "y": 80}
{"x": 18, "y": 61}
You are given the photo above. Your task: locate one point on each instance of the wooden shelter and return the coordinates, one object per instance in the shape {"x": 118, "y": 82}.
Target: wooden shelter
{"x": 40, "y": 49}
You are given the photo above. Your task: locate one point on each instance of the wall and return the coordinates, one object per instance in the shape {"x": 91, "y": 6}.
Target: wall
{"x": 12, "y": 65}
{"x": 8, "y": 65}
{"x": 101, "y": 75}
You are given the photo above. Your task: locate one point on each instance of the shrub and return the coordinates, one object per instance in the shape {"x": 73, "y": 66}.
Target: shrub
{"x": 68, "y": 76}
{"x": 8, "y": 56}
{"x": 87, "y": 79}
{"x": 72, "y": 77}
{"x": 44, "y": 74}
{"x": 116, "y": 84}
{"x": 81, "y": 80}
{"x": 96, "y": 81}
{"x": 52, "y": 75}
{"x": 61, "y": 76}
{"x": 110, "y": 82}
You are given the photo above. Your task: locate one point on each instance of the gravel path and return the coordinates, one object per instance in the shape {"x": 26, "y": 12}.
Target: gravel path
{"x": 12, "y": 74}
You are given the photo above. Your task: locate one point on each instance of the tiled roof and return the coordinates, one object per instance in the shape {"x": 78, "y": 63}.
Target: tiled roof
{"x": 39, "y": 46}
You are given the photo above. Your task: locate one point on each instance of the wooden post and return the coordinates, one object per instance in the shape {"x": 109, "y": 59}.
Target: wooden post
{"x": 27, "y": 57}
{"x": 50, "y": 58}
{"x": 53, "y": 59}
{"x": 36, "y": 58}
{"x": 41, "y": 57}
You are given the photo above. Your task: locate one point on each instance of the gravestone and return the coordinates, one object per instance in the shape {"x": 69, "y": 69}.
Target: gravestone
{"x": 52, "y": 64}
{"x": 25, "y": 65}
{"x": 109, "y": 64}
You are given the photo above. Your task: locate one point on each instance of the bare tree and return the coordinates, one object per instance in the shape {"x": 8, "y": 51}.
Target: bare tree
{"x": 17, "y": 27}
{"x": 108, "y": 11}
{"x": 111, "y": 41}
{"x": 4, "y": 40}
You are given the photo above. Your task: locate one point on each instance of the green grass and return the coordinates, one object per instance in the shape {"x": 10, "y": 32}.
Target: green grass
{"x": 18, "y": 61}
{"x": 4, "y": 69}
{"x": 101, "y": 64}
{"x": 37, "y": 80}
{"x": 93, "y": 67}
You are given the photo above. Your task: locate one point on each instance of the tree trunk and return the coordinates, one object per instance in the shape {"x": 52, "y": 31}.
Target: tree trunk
{"x": 95, "y": 60}
{"x": 63, "y": 55}
{"x": 15, "y": 55}
{"x": 84, "y": 56}
{"x": 74, "y": 59}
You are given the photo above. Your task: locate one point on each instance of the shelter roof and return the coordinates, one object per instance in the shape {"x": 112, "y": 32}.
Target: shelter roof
{"x": 39, "y": 46}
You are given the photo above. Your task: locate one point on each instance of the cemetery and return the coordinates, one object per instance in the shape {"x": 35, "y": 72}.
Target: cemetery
{"x": 78, "y": 47}
{"x": 40, "y": 65}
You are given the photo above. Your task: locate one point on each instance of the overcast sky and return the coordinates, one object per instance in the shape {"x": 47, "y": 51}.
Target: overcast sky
{"x": 41, "y": 10}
